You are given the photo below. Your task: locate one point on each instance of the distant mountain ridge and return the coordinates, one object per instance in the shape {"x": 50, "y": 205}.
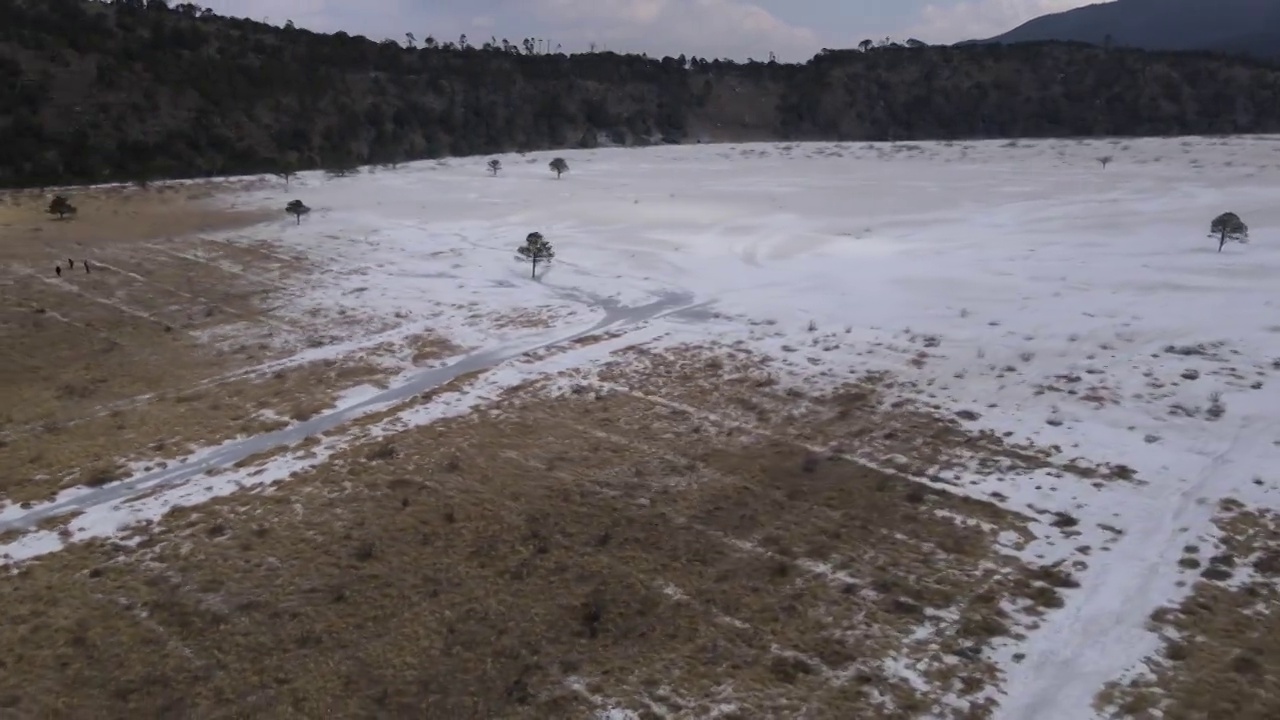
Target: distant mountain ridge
{"x": 1237, "y": 26}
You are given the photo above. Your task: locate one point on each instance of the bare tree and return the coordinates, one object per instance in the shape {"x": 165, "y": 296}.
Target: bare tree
{"x": 61, "y": 207}
{"x": 1105, "y": 160}
{"x": 494, "y": 166}
{"x": 297, "y": 209}
{"x": 559, "y": 167}
{"x": 535, "y": 250}
{"x": 1228, "y": 226}
{"x": 286, "y": 176}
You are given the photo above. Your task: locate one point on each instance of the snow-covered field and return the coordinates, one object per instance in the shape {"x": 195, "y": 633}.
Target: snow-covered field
{"x": 1020, "y": 284}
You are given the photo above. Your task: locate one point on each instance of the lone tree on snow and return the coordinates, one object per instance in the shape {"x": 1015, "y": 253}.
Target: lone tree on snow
{"x": 61, "y": 207}
{"x": 535, "y": 250}
{"x": 297, "y": 209}
{"x": 286, "y": 175}
{"x": 1105, "y": 160}
{"x": 559, "y": 167}
{"x": 1228, "y": 226}
{"x": 494, "y": 166}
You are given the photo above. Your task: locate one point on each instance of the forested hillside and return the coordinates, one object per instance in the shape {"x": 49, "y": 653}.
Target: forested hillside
{"x": 132, "y": 90}
{"x": 1239, "y": 26}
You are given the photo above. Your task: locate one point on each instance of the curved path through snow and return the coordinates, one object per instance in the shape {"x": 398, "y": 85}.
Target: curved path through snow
{"x": 616, "y": 317}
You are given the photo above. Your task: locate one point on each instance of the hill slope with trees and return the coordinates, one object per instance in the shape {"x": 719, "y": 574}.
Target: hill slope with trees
{"x": 129, "y": 90}
{"x": 1239, "y": 26}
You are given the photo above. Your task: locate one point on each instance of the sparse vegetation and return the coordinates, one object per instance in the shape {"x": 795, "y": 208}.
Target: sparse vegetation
{"x": 559, "y": 167}
{"x": 1228, "y": 227}
{"x": 589, "y": 579}
{"x": 1216, "y": 407}
{"x": 495, "y": 165}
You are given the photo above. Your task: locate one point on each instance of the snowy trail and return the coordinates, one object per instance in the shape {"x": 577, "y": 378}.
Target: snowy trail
{"x": 1100, "y": 634}
{"x": 616, "y": 317}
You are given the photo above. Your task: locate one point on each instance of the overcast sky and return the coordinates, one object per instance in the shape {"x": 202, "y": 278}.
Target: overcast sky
{"x": 793, "y": 29}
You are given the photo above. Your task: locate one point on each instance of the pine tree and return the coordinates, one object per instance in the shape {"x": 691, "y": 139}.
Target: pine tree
{"x": 535, "y": 250}
{"x": 297, "y": 209}
{"x": 1228, "y": 226}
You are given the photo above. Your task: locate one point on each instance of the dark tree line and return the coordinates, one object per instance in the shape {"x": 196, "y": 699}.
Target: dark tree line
{"x": 134, "y": 90}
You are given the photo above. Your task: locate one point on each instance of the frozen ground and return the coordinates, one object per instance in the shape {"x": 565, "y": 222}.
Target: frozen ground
{"x": 1019, "y": 284}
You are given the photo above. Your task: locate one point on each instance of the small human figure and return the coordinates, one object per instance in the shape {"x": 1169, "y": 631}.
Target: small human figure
{"x": 71, "y": 263}
{"x": 57, "y": 269}
{"x": 86, "y": 266}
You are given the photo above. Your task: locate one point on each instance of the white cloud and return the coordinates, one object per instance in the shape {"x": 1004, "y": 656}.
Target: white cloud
{"x": 705, "y": 28}
{"x": 376, "y": 18}
{"x": 979, "y": 19}
{"x": 710, "y": 28}
{"x": 278, "y": 11}
{"x": 635, "y": 12}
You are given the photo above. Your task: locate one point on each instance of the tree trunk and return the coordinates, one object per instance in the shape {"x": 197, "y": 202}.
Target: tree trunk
{"x": 533, "y": 275}
{"x": 1222, "y": 240}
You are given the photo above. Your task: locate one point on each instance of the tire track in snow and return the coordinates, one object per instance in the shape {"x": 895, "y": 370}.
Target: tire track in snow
{"x": 1101, "y": 634}
{"x": 617, "y": 317}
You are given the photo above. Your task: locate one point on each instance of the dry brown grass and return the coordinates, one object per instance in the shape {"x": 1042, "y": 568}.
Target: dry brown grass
{"x": 80, "y": 335}
{"x": 145, "y": 356}
{"x": 520, "y": 319}
{"x": 856, "y": 416}
{"x": 173, "y": 425}
{"x": 424, "y": 348}
{"x": 110, "y": 215}
{"x": 515, "y": 563}
{"x": 1222, "y": 651}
